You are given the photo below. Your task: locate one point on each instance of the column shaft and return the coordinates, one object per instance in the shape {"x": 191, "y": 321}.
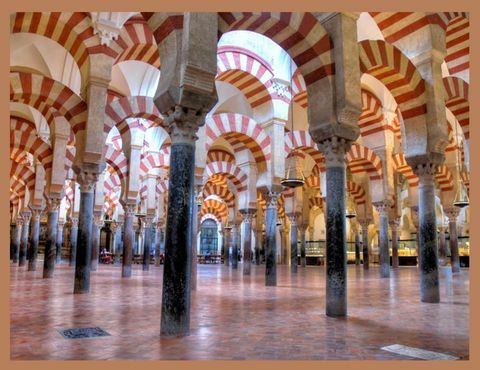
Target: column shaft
{"x": 395, "y": 259}
{"x": 22, "y": 258}
{"x": 96, "y": 227}
{"x": 365, "y": 245}
{"x": 247, "y": 241}
{"x": 271, "y": 239}
{"x": 73, "y": 241}
{"x": 226, "y": 247}
{"x": 147, "y": 246}
{"x": 34, "y": 236}
{"x": 452, "y": 229}
{"x": 128, "y": 240}
{"x": 17, "y": 240}
{"x": 59, "y": 243}
{"x": 303, "y": 256}
{"x": 234, "y": 234}
{"x": 357, "y": 248}
{"x": 50, "y": 245}
{"x": 293, "y": 243}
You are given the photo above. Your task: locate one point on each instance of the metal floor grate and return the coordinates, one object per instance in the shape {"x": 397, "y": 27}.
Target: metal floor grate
{"x": 418, "y": 353}
{"x": 77, "y": 333}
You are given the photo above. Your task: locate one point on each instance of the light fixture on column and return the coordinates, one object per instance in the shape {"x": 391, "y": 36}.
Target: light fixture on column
{"x": 461, "y": 197}
{"x": 350, "y": 210}
{"x": 291, "y": 179}
{"x": 228, "y": 226}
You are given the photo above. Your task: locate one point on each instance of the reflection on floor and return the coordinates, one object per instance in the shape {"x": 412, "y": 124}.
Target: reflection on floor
{"x": 235, "y": 316}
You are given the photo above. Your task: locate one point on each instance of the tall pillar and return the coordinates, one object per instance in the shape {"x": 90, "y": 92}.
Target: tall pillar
{"x": 303, "y": 245}
{"x": 50, "y": 245}
{"x": 452, "y": 214}
{"x": 365, "y": 243}
{"x": 427, "y": 221}
{"x": 34, "y": 235}
{"x": 334, "y": 150}
{"x": 157, "y": 243}
{"x": 59, "y": 243}
{"x": 247, "y": 215}
{"x": 292, "y": 217}
{"x": 73, "y": 240}
{"x": 119, "y": 243}
{"x": 394, "y": 227}
{"x": 357, "y": 248}
{"x": 128, "y": 240}
{"x": 271, "y": 238}
{"x": 17, "y": 239}
{"x": 22, "y": 258}
{"x": 83, "y": 257}
{"x": 96, "y": 228}
{"x": 414, "y": 214}
{"x": 382, "y": 208}
{"x": 226, "y": 246}
{"x": 442, "y": 250}
{"x": 234, "y": 243}
{"x": 198, "y": 201}
{"x": 258, "y": 243}
{"x": 283, "y": 247}
{"x": 147, "y": 244}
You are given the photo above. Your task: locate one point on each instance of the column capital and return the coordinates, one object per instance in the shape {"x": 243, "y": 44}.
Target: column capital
{"x": 394, "y": 222}
{"x": 53, "y": 204}
{"x": 383, "y": 206}
{"x": 26, "y": 217}
{"x": 271, "y": 197}
{"x": 87, "y": 181}
{"x": 36, "y": 213}
{"x": 364, "y": 223}
{"x": 425, "y": 170}
{"x": 334, "y": 149}
{"x": 452, "y": 213}
{"x": 293, "y": 217}
{"x": 129, "y": 209}
{"x": 183, "y": 123}
{"x": 74, "y": 221}
{"x": 248, "y": 214}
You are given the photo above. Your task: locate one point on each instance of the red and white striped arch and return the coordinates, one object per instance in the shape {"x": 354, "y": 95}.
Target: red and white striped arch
{"x": 23, "y": 174}
{"x": 299, "y": 89}
{"x": 130, "y": 107}
{"x": 315, "y": 202}
{"x": 362, "y": 159}
{"x": 220, "y": 191}
{"x": 218, "y": 155}
{"x": 152, "y": 160}
{"x": 300, "y": 140}
{"x": 444, "y": 178}
{"x": 247, "y": 74}
{"x": 458, "y": 45}
{"x": 26, "y": 142}
{"x": 242, "y": 133}
{"x": 456, "y": 99}
{"x": 213, "y": 206}
{"x": 387, "y": 64}
{"x": 357, "y": 192}
{"x": 117, "y": 160}
{"x": 231, "y": 171}
{"x": 35, "y": 90}
{"x": 162, "y": 186}
{"x": 371, "y": 120}
{"x": 163, "y": 24}
{"x": 112, "y": 180}
{"x": 400, "y": 165}
{"x": 300, "y": 34}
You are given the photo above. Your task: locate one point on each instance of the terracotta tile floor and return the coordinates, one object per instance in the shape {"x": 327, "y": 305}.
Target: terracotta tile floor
{"x": 236, "y": 317}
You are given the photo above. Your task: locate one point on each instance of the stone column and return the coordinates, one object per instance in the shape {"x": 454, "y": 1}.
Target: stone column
{"x": 382, "y": 208}
{"x": 148, "y": 243}
{"x": 157, "y": 243}
{"x": 198, "y": 201}
{"x": 83, "y": 257}
{"x": 394, "y": 227}
{"x": 17, "y": 239}
{"x": 49, "y": 260}
{"x": 96, "y": 228}
{"x": 303, "y": 246}
{"x": 234, "y": 243}
{"x": 128, "y": 240}
{"x": 34, "y": 235}
{"x": 293, "y": 217}
{"x": 427, "y": 221}
{"x": 59, "y": 243}
{"x": 357, "y": 247}
{"x": 283, "y": 247}
{"x": 365, "y": 243}
{"x": 258, "y": 244}
{"x": 452, "y": 214}
{"x": 119, "y": 243}
{"x": 334, "y": 150}
{"x": 226, "y": 246}
{"x": 414, "y": 214}
{"x": 247, "y": 215}
{"x": 271, "y": 238}
{"x": 73, "y": 240}
{"x": 442, "y": 250}
{"x": 22, "y": 258}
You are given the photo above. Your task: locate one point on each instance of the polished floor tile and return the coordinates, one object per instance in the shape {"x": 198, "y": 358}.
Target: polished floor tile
{"x": 237, "y": 317}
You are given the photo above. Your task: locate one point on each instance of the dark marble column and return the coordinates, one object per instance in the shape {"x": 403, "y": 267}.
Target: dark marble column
{"x": 414, "y": 214}
{"x": 148, "y": 243}
{"x": 17, "y": 239}
{"x": 198, "y": 201}
{"x": 357, "y": 248}
{"x": 430, "y": 291}
{"x": 271, "y": 238}
{"x": 157, "y": 244}
{"x": 442, "y": 250}
{"x": 382, "y": 208}
{"x": 247, "y": 215}
{"x": 303, "y": 245}
{"x": 234, "y": 243}
{"x": 394, "y": 227}
{"x": 84, "y": 236}
{"x": 226, "y": 245}
{"x": 96, "y": 229}
{"x": 50, "y": 245}
{"x": 128, "y": 240}
{"x": 365, "y": 243}
{"x": 73, "y": 240}
{"x": 283, "y": 246}
{"x": 22, "y": 258}
{"x": 293, "y": 217}
{"x": 258, "y": 244}
{"x": 452, "y": 214}
{"x": 34, "y": 236}
{"x": 335, "y": 150}
{"x": 59, "y": 243}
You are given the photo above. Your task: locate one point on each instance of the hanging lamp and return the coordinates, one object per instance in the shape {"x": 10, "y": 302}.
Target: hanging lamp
{"x": 350, "y": 210}
{"x": 228, "y": 226}
{"x": 461, "y": 197}
{"x": 291, "y": 180}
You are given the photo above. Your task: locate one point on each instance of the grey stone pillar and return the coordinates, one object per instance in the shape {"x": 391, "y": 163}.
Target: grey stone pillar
{"x": 442, "y": 250}
{"x": 271, "y": 237}
{"x": 226, "y": 246}
{"x": 17, "y": 239}
{"x": 119, "y": 243}
{"x": 157, "y": 243}
{"x": 50, "y": 246}
{"x": 34, "y": 236}
{"x": 335, "y": 150}
{"x": 258, "y": 243}
{"x": 303, "y": 246}
{"x": 59, "y": 243}
{"x": 148, "y": 243}
{"x": 247, "y": 215}
{"x": 83, "y": 257}
{"x": 128, "y": 240}
{"x": 394, "y": 227}
{"x": 293, "y": 217}
{"x": 414, "y": 214}
{"x": 73, "y": 240}
{"x": 283, "y": 247}
{"x": 365, "y": 243}
{"x": 234, "y": 244}
{"x": 357, "y": 248}
{"x": 452, "y": 214}
{"x": 22, "y": 258}
{"x": 382, "y": 208}
{"x": 427, "y": 220}
{"x": 198, "y": 201}
{"x": 96, "y": 229}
